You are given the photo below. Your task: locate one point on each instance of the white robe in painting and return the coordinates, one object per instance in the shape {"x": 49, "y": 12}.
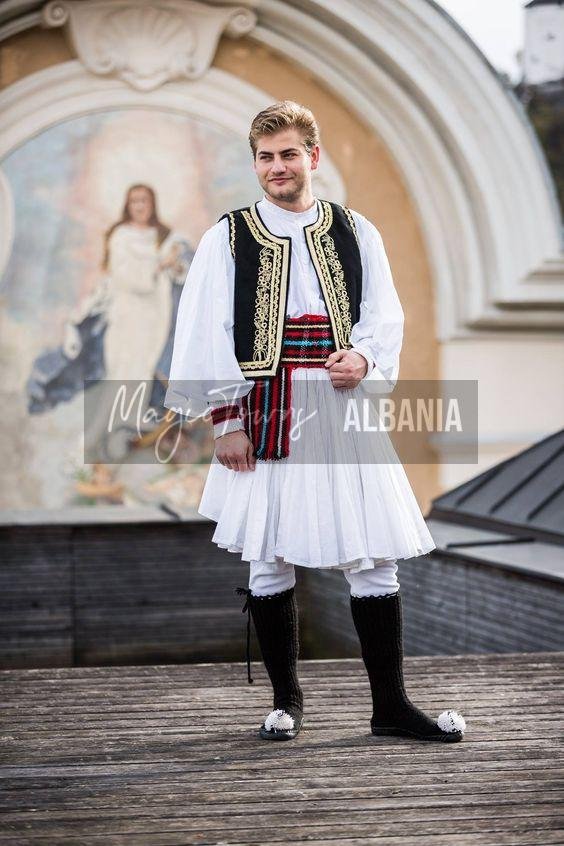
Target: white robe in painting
{"x": 139, "y": 303}
{"x": 327, "y": 515}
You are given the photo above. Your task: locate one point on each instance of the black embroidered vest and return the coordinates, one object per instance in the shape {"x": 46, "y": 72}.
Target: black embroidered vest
{"x": 262, "y": 274}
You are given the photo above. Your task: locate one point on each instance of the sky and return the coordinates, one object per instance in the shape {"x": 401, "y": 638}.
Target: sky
{"x": 496, "y": 26}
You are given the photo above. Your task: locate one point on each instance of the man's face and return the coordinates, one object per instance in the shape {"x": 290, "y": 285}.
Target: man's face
{"x": 283, "y": 165}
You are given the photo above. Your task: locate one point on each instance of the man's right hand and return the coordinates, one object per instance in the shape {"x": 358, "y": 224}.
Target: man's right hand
{"x": 235, "y": 451}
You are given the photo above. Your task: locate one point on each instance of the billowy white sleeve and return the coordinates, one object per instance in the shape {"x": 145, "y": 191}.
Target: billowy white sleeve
{"x": 378, "y": 334}
{"x": 204, "y": 372}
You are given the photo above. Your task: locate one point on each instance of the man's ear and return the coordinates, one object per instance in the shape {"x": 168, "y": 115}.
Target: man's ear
{"x": 315, "y": 152}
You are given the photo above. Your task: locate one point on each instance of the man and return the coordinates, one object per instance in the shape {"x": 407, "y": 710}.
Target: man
{"x": 290, "y": 305}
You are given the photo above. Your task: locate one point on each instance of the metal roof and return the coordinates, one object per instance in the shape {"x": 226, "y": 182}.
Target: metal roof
{"x": 522, "y": 496}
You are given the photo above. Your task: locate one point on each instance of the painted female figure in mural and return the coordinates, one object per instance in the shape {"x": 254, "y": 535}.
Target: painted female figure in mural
{"x": 124, "y": 328}
{"x": 140, "y": 251}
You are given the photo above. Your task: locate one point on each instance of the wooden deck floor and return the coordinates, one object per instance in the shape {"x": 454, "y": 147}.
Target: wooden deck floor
{"x": 148, "y": 756}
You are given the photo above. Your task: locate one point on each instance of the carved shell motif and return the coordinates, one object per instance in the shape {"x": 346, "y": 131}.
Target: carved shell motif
{"x": 145, "y": 43}
{"x": 147, "y": 49}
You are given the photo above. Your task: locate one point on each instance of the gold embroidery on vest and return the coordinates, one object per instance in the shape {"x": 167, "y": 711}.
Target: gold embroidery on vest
{"x": 232, "y": 233}
{"x": 350, "y": 219}
{"x": 341, "y": 292}
{"x": 270, "y": 301}
{"x": 331, "y": 275}
{"x": 266, "y": 267}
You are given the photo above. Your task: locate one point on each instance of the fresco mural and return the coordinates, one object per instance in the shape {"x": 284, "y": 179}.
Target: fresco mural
{"x": 108, "y": 210}
{"x": 120, "y": 331}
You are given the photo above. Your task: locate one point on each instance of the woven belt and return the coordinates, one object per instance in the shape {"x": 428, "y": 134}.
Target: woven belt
{"x": 267, "y": 408}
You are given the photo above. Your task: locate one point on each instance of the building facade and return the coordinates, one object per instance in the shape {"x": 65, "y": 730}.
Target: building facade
{"x": 418, "y": 133}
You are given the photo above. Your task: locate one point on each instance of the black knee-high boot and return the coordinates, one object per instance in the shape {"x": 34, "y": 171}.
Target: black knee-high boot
{"x": 378, "y": 622}
{"x": 276, "y": 624}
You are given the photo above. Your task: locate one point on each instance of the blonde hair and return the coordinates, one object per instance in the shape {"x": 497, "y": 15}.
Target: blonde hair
{"x": 283, "y": 115}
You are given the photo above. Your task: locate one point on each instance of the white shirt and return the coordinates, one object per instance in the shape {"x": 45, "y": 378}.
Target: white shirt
{"x": 203, "y": 353}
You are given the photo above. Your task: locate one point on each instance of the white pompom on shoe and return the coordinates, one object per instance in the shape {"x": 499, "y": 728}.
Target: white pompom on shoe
{"x": 280, "y": 725}
{"x": 451, "y": 721}
{"x": 280, "y": 720}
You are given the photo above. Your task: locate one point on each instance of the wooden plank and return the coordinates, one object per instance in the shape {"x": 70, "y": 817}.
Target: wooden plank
{"x": 478, "y": 662}
{"x": 286, "y": 824}
{"x": 396, "y": 759}
{"x": 517, "y": 832}
{"x": 299, "y": 790}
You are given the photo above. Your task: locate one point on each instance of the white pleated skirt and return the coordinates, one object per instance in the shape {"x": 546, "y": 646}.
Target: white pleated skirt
{"x": 310, "y": 509}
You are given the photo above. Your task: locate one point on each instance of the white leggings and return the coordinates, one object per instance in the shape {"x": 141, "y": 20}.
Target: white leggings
{"x": 274, "y": 577}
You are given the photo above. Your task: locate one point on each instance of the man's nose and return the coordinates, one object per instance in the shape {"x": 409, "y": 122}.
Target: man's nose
{"x": 278, "y": 165}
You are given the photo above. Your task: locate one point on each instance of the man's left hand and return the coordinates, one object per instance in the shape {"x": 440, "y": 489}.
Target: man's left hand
{"x": 346, "y": 368}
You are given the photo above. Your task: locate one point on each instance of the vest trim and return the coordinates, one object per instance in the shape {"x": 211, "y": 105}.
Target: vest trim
{"x": 271, "y": 296}
{"x": 331, "y": 275}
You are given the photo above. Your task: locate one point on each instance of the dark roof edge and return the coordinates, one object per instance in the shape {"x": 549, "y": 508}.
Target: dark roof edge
{"x": 459, "y": 555}
{"x": 543, "y": 3}
{"x": 487, "y": 523}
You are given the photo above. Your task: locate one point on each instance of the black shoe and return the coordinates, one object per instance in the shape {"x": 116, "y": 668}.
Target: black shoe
{"x": 378, "y": 622}
{"x": 451, "y": 735}
{"x": 281, "y": 725}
